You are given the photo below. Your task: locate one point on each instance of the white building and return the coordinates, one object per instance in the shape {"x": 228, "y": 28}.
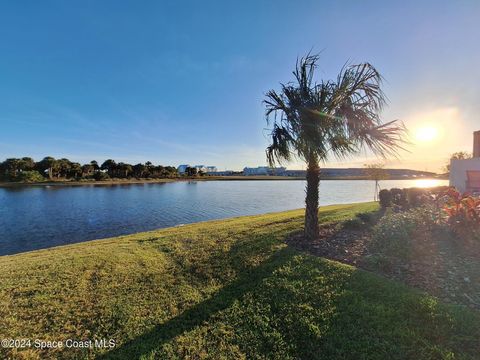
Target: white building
{"x": 223, "y": 173}
{"x": 465, "y": 174}
{"x": 182, "y": 168}
{"x": 260, "y": 170}
{"x": 201, "y": 168}
{"x": 205, "y": 169}
{"x": 211, "y": 169}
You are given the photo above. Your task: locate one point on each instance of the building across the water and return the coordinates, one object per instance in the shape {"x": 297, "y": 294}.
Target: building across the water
{"x": 264, "y": 170}
{"x": 206, "y": 168}
{"x": 223, "y": 173}
{"x": 465, "y": 173}
{"x": 203, "y": 168}
{"x": 325, "y": 173}
{"x": 335, "y": 173}
{"x": 182, "y": 168}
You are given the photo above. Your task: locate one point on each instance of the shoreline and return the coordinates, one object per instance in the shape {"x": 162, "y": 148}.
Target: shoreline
{"x": 170, "y": 180}
{"x": 147, "y": 181}
{"x": 204, "y": 222}
{"x": 81, "y": 243}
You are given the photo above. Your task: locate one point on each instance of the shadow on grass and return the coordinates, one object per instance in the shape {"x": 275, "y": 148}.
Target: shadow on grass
{"x": 196, "y": 315}
{"x": 259, "y": 244}
{"x": 319, "y": 309}
{"x": 343, "y": 314}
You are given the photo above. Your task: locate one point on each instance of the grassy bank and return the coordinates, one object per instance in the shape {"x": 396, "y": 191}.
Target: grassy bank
{"x": 226, "y": 289}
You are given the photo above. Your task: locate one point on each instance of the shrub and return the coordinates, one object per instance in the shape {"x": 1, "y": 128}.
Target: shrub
{"x": 378, "y": 262}
{"x": 99, "y": 176}
{"x": 393, "y": 197}
{"x": 417, "y": 197}
{"x": 462, "y": 215}
{"x": 385, "y": 198}
{"x": 30, "y": 176}
{"x": 353, "y": 224}
{"x": 399, "y": 197}
{"x": 369, "y": 218}
{"x": 405, "y": 199}
{"x": 394, "y": 233}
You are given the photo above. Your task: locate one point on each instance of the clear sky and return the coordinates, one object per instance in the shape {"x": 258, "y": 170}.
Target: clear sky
{"x": 183, "y": 81}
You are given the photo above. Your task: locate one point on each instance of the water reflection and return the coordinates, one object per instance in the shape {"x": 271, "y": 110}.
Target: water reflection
{"x": 34, "y": 217}
{"x": 427, "y": 183}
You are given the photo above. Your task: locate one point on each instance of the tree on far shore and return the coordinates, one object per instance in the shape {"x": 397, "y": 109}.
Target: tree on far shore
{"x": 376, "y": 172}
{"x": 191, "y": 171}
{"x": 314, "y": 121}
{"x": 27, "y": 170}
{"x": 49, "y": 165}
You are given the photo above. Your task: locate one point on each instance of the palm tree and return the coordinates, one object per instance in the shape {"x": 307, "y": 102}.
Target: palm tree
{"x": 48, "y": 164}
{"x": 138, "y": 170}
{"x": 27, "y": 164}
{"x": 148, "y": 168}
{"x": 75, "y": 170}
{"x": 65, "y": 166}
{"x": 12, "y": 166}
{"x": 314, "y": 121}
{"x": 124, "y": 169}
{"x": 109, "y": 165}
{"x": 87, "y": 170}
{"x": 95, "y": 166}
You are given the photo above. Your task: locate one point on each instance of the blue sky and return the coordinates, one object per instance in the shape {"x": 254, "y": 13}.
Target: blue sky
{"x": 183, "y": 81}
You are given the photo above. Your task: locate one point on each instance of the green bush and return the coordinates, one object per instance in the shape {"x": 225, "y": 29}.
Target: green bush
{"x": 353, "y": 224}
{"x": 99, "y": 176}
{"x": 394, "y": 233}
{"x": 410, "y": 197}
{"x": 30, "y": 176}
{"x": 369, "y": 218}
{"x": 385, "y": 198}
{"x": 417, "y": 197}
{"x": 399, "y": 197}
{"x": 378, "y": 262}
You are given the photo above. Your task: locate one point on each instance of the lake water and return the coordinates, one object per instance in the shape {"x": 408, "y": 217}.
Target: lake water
{"x": 35, "y": 217}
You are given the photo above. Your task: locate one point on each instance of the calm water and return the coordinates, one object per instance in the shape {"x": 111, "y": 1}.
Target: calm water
{"x": 35, "y": 217}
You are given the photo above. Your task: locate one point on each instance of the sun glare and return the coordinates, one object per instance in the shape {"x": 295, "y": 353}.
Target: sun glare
{"x": 427, "y": 183}
{"x": 426, "y": 133}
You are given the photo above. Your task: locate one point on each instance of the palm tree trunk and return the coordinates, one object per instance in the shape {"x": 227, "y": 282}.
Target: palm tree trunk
{"x": 311, "y": 211}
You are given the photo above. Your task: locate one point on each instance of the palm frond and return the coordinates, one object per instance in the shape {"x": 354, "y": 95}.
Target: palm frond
{"x": 330, "y": 118}
{"x": 280, "y": 148}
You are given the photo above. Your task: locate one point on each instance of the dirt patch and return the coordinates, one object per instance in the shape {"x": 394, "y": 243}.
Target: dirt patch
{"x": 347, "y": 246}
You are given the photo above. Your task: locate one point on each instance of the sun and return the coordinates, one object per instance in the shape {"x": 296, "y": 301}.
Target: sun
{"x": 426, "y": 133}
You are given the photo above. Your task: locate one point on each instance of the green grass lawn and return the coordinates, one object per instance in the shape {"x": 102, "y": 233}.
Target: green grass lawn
{"x": 226, "y": 289}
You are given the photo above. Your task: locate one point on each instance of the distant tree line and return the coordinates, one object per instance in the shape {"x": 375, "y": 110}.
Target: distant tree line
{"x": 49, "y": 168}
